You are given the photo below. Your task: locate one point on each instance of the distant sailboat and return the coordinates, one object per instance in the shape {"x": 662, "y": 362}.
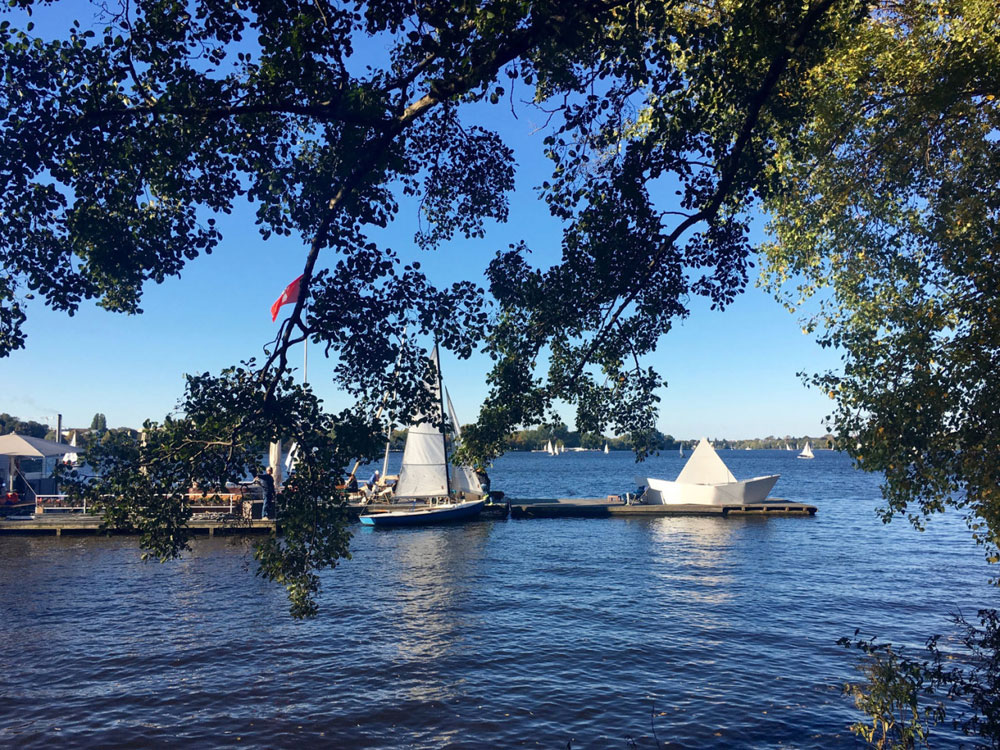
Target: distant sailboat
{"x": 549, "y": 449}
{"x": 680, "y": 450}
{"x": 605, "y": 449}
{"x": 787, "y": 447}
{"x": 807, "y": 452}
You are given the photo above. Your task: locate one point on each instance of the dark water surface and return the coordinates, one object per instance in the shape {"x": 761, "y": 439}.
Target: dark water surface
{"x": 492, "y": 634}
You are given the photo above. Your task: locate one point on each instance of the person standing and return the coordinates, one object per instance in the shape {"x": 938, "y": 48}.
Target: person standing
{"x": 267, "y": 482}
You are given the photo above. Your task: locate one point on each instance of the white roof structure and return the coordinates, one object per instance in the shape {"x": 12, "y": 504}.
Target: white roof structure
{"x": 705, "y": 467}
{"x": 24, "y": 446}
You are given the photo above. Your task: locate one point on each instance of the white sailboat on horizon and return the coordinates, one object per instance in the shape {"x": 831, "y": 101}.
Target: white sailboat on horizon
{"x": 807, "y": 452}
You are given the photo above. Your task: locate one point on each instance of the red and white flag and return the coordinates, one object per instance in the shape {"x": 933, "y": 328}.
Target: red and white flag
{"x": 289, "y": 296}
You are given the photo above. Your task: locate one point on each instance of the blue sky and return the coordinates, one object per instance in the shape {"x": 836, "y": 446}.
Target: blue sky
{"x": 730, "y": 374}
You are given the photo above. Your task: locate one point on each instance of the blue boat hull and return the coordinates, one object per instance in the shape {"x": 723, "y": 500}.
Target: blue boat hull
{"x": 425, "y": 516}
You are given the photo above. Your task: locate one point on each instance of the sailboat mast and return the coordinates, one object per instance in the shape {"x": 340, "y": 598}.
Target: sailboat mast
{"x": 444, "y": 432}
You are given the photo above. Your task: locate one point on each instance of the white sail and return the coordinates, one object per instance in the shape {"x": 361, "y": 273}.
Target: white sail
{"x": 71, "y": 458}
{"x": 274, "y": 462}
{"x": 424, "y": 471}
{"x": 548, "y": 448}
{"x": 463, "y": 478}
{"x": 291, "y": 458}
{"x": 807, "y": 452}
{"x": 605, "y": 449}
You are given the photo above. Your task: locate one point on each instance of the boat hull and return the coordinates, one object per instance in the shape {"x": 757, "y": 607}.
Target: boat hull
{"x": 426, "y": 515}
{"x": 665, "y": 492}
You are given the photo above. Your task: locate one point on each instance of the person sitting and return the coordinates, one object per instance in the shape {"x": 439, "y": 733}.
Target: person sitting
{"x": 352, "y": 484}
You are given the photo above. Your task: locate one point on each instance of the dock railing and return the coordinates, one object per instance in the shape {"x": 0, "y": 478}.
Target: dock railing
{"x": 224, "y": 502}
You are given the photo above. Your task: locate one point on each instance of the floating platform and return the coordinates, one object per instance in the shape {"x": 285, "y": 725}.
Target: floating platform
{"x": 58, "y": 524}
{"x": 594, "y": 507}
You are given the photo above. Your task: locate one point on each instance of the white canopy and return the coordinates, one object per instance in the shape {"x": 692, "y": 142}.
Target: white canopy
{"x": 24, "y": 446}
{"x": 705, "y": 467}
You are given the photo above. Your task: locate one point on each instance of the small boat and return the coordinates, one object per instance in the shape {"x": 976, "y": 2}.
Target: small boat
{"x": 549, "y": 449}
{"x": 421, "y": 515}
{"x": 787, "y": 447}
{"x": 606, "y": 449}
{"x": 435, "y": 490}
{"x": 807, "y": 452}
{"x": 706, "y": 480}
{"x": 680, "y": 450}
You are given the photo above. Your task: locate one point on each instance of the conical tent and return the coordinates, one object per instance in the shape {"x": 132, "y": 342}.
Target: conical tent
{"x": 705, "y": 467}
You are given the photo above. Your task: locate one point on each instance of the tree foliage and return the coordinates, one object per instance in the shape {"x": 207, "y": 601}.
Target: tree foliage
{"x": 29, "y": 427}
{"x": 905, "y": 697}
{"x": 886, "y": 214}
{"x": 122, "y": 145}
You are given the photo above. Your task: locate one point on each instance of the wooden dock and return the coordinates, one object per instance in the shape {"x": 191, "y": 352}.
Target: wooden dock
{"x": 58, "y": 524}
{"x": 81, "y": 524}
{"x": 593, "y": 507}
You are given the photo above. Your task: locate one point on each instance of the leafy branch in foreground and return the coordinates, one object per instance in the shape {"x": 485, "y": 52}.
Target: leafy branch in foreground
{"x": 225, "y": 425}
{"x": 905, "y": 697}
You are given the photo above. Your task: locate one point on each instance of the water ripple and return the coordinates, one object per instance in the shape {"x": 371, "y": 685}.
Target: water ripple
{"x": 706, "y": 632}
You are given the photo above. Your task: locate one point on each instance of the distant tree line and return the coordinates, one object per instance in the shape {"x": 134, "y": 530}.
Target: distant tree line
{"x": 9, "y": 424}
{"x": 98, "y": 429}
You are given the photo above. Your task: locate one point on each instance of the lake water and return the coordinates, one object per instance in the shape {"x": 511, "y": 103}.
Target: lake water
{"x": 715, "y": 632}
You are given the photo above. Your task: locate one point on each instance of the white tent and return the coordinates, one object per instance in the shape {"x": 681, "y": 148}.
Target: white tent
{"x": 23, "y": 446}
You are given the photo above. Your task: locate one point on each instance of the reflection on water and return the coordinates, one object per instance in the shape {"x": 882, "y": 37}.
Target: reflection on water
{"x": 694, "y": 560}
{"x": 517, "y": 633}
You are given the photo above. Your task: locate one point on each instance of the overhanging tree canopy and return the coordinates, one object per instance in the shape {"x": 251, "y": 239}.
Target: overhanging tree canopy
{"x": 119, "y": 146}
{"x": 888, "y": 206}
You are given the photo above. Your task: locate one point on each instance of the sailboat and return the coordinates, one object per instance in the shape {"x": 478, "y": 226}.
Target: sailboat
{"x": 807, "y": 452}
{"x": 549, "y": 449}
{"x": 447, "y": 492}
{"x": 787, "y": 447}
{"x": 706, "y": 480}
{"x": 605, "y": 449}
{"x": 680, "y": 450}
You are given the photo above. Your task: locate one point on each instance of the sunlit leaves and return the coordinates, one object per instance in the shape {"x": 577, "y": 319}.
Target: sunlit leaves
{"x": 886, "y": 210}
